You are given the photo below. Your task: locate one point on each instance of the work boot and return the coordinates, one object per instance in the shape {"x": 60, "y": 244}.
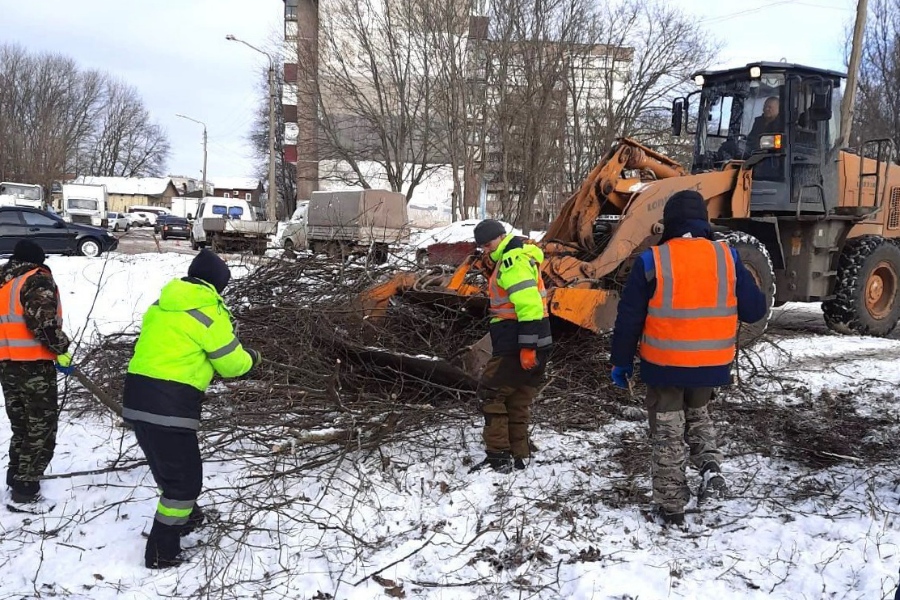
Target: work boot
{"x": 194, "y": 522}
{"x": 712, "y": 484}
{"x": 25, "y": 492}
{"x": 163, "y": 549}
{"x": 675, "y": 519}
{"x": 501, "y": 462}
{"x": 519, "y": 464}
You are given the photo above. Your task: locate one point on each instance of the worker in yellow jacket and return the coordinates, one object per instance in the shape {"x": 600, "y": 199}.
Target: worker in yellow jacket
{"x": 520, "y": 340}
{"x": 186, "y": 337}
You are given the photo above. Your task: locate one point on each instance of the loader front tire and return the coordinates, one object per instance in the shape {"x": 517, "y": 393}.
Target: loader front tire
{"x": 866, "y": 300}
{"x": 755, "y": 257}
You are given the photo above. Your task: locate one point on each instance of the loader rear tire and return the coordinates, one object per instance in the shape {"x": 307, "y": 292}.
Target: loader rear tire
{"x": 755, "y": 257}
{"x": 866, "y": 300}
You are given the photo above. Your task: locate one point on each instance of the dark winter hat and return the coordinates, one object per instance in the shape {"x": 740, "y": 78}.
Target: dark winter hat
{"x": 685, "y": 206}
{"x": 210, "y": 268}
{"x": 28, "y": 251}
{"x": 488, "y": 230}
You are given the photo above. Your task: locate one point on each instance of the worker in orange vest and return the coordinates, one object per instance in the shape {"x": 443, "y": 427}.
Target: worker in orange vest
{"x": 33, "y": 346}
{"x": 682, "y": 303}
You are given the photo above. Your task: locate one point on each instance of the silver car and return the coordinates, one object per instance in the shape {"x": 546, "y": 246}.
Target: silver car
{"x": 118, "y": 221}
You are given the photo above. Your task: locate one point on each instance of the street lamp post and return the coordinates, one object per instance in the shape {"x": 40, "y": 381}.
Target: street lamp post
{"x": 273, "y": 194}
{"x": 204, "y": 149}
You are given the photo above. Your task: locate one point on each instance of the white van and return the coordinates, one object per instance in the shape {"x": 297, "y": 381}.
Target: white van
{"x": 212, "y": 207}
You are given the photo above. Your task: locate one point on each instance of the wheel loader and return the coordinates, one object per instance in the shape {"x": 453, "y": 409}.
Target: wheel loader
{"x": 813, "y": 222}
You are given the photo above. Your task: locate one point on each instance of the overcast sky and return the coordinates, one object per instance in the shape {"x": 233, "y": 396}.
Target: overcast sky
{"x": 175, "y": 53}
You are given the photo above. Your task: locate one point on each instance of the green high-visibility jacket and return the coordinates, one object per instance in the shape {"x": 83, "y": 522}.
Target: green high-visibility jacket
{"x": 187, "y": 336}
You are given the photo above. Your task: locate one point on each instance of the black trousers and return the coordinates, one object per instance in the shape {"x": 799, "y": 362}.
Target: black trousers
{"x": 174, "y": 457}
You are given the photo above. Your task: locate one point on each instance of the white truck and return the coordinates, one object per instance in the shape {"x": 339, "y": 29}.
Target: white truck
{"x": 21, "y": 194}
{"x": 85, "y": 203}
{"x": 356, "y": 222}
{"x": 227, "y": 225}
{"x": 185, "y": 207}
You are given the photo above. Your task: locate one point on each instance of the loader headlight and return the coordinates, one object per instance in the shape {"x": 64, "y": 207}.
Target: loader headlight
{"x": 755, "y": 72}
{"x": 770, "y": 142}
{"x": 699, "y": 80}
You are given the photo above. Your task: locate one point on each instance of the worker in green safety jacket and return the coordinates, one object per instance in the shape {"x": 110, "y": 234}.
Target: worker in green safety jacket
{"x": 521, "y": 340}
{"x": 186, "y": 337}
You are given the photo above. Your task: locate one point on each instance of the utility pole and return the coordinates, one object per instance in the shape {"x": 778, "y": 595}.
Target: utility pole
{"x": 272, "y": 207}
{"x": 849, "y": 100}
{"x": 273, "y": 189}
{"x": 204, "y": 148}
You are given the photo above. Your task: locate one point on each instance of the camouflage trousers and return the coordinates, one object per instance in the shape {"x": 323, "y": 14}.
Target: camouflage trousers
{"x": 506, "y": 391}
{"x": 29, "y": 388}
{"x": 678, "y": 416}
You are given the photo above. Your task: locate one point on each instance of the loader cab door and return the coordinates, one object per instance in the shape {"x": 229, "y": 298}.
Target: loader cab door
{"x": 813, "y": 131}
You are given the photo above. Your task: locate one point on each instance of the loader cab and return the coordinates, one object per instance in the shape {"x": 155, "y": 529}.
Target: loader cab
{"x": 788, "y": 148}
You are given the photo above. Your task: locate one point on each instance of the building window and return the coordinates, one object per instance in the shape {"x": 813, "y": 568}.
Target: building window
{"x": 226, "y": 195}
{"x": 248, "y": 196}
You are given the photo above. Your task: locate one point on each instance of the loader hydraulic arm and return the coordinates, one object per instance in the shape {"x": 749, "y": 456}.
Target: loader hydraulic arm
{"x": 605, "y": 191}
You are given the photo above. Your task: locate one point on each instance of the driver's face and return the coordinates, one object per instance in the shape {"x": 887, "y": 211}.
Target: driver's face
{"x": 770, "y": 109}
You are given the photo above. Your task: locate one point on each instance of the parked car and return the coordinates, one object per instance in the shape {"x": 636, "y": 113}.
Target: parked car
{"x": 174, "y": 227}
{"x": 51, "y": 233}
{"x": 118, "y": 221}
{"x": 142, "y": 219}
{"x": 292, "y": 234}
{"x": 161, "y": 220}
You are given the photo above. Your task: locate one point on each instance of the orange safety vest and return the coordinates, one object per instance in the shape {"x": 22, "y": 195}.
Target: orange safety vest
{"x": 501, "y": 306}
{"x": 16, "y": 340}
{"x": 692, "y": 317}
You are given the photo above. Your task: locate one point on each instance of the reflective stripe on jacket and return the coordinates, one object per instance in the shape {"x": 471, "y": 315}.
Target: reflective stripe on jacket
{"x": 518, "y": 298}
{"x": 692, "y": 317}
{"x": 186, "y": 337}
{"x": 17, "y": 342}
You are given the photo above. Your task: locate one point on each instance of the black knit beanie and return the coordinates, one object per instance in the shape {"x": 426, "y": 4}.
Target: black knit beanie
{"x": 210, "y": 268}
{"x": 28, "y": 251}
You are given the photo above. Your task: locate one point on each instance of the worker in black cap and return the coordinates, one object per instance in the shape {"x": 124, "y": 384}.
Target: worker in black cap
{"x": 520, "y": 340}
{"x": 186, "y": 338}
{"x": 32, "y": 341}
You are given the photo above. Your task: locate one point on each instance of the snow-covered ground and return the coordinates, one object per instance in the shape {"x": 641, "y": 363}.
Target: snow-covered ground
{"x": 413, "y": 522}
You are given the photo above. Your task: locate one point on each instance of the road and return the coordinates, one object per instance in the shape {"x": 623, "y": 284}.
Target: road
{"x": 141, "y": 239}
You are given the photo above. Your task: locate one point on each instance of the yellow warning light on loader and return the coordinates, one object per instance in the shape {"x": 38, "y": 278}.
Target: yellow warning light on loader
{"x": 770, "y": 142}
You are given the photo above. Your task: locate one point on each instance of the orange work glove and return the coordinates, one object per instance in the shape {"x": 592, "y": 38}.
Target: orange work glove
{"x": 528, "y": 358}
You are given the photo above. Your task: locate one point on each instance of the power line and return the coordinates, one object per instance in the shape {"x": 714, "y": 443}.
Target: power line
{"x": 749, "y": 11}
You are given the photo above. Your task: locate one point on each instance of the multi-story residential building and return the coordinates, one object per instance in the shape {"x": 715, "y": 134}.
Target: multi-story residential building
{"x": 595, "y": 78}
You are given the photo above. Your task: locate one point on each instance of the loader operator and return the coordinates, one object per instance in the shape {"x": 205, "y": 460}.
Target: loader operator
{"x": 186, "y": 337}
{"x": 682, "y": 302}
{"x": 31, "y": 341}
{"x": 521, "y": 340}
{"x": 768, "y": 122}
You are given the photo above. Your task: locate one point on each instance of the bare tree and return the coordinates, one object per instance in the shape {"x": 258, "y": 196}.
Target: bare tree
{"x": 647, "y": 52}
{"x": 56, "y": 120}
{"x": 47, "y": 107}
{"x": 125, "y": 142}
{"x": 877, "y": 111}
{"x": 285, "y": 172}
{"x": 375, "y": 94}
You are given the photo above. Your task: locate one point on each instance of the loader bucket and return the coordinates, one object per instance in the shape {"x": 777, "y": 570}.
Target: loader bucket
{"x": 588, "y": 308}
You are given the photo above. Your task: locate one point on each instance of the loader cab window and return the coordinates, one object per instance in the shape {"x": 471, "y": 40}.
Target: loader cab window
{"x": 733, "y": 115}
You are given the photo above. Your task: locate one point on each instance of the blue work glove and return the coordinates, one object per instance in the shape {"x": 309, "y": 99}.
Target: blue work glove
{"x": 621, "y": 375}
{"x": 64, "y": 364}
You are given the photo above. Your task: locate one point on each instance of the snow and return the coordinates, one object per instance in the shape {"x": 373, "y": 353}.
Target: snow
{"x": 235, "y": 183}
{"x": 415, "y": 517}
{"x": 129, "y": 186}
